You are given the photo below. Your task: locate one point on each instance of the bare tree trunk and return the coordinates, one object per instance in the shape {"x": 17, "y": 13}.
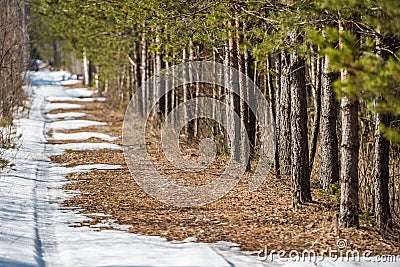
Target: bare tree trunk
{"x": 174, "y": 100}
{"x": 300, "y": 162}
{"x": 317, "y": 72}
{"x": 349, "y": 163}
{"x": 349, "y": 203}
{"x": 85, "y": 69}
{"x": 159, "y": 87}
{"x": 234, "y": 101}
{"x": 186, "y": 93}
{"x": 381, "y": 175}
{"x": 278, "y": 86}
{"x": 284, "y": 117}
{"x": 193, "y": 123}
{"x": 272, "y": 101}
{"x": 252, "y": 118}
{"x": 329, "y": 168}
{"x": 143, "y": 69}
{"x": 242, "y": 97}
{"x": 167, "y": 95}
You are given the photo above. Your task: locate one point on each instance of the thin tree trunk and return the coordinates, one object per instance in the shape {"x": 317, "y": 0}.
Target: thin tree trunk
{"x": 381, "y": 175}
{"x": 329, "y": 167}
{"x": 143, "y": 70}
{"x": 242, "y": 97}
{"x": 284, "y": 117}
{"x": 349, "y": 163}
{"x": 85, "y": 68}
{"x": 317, "y": 110}
{"x": 383, "y": 216}
{"x": 234, "y": 101}
{"x": 271, "y": 93}
{"x": 159, "y": 87}
{"x": 349, "y": 203}
{"x": 278, "y": 86}
{"x": 300, "y": 162}
{"x": 185, "y": 92}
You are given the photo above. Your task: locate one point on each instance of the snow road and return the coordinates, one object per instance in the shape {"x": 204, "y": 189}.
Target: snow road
{"x": 35, "y": 228}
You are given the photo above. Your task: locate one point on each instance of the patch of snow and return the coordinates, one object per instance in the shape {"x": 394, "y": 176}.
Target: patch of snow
{"x": 86, "y": 146}
{"x": 70, "y": 81}
{"x": 66, "y": 115}
{"x": 82, "y": 136}
{"x": 78, "y": 99}
{"x": 63, "y": 106}
{"x": 60, "y": 170}
{"x": 73, "y": 124}
{"x": 78, "y": 92}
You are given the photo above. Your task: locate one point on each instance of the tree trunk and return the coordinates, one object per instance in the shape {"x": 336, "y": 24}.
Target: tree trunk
{"x": 159, "y": 87}
{"x": 143, "y": 70}
{"x": 381, "y": 175}
{"x": 234, "y": 101}
{"x": 185, "y": 92}
{"x": 349, "y": 204}
{"x": 284, "y": 117}
{"x": 85, "y": 69}
{"x": 300, "y": 161}
{"x": 272, "y": 102}
{"x": 242, "y": 97}
{"x": 317, "y": 73}
{"x": 329, "y": 168}
{"x": 278, "y": 86}
{"x": 349, "y": 163}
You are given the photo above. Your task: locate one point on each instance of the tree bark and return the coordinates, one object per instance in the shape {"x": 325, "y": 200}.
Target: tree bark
{"x": 300, "y": 161}
{"x": 242, "y": 96}
{"x": 284, "y": 117}
{"x": 349, "y": 202}
{"x": 381, "y": 175}
{"x": 317, "y": 77}
{"x": 329, "y": 168}
{"x": 349, "y": 163}
{"x": 272, "y": 102}
{"x": 143, "y": 70}
{"x": 186, "y": 92}
{"x": 234, "y": 101}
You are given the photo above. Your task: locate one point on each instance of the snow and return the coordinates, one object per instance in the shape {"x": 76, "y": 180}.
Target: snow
{"x": 82, "y": 136}
{"x": 87, "y": 146}
{"x": 66, "y": 115}
{"x": 36, "y": 228}
{"x": 73, "y": 124}
{"x": 62, "y": 106}
{"x": 70, "y": 98}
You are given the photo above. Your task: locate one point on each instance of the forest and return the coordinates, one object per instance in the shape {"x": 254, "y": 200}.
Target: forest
{"x": 328, "y": 69}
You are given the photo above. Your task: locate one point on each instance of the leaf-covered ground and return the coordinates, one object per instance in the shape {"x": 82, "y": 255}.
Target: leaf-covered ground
{"x": 264, "y": 218}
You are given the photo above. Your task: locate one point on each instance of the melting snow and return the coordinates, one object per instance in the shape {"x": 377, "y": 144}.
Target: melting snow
{"x": 82, "y": 136}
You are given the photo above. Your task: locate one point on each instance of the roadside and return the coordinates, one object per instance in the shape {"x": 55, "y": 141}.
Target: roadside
{"x": 254, "y": 221}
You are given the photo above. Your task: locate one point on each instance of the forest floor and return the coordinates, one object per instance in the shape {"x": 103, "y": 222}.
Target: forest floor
{"x": 255, "y": 221}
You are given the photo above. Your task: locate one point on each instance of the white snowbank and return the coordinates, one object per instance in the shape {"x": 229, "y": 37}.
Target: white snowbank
{"x": 86, "y": 146}
{"x": 73, "y": 124}
{"x": 82, "y": 136}
{"x": 62, "y": 106}
{"x": 78, "y": 99}
{"x": 66, "y": 115}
